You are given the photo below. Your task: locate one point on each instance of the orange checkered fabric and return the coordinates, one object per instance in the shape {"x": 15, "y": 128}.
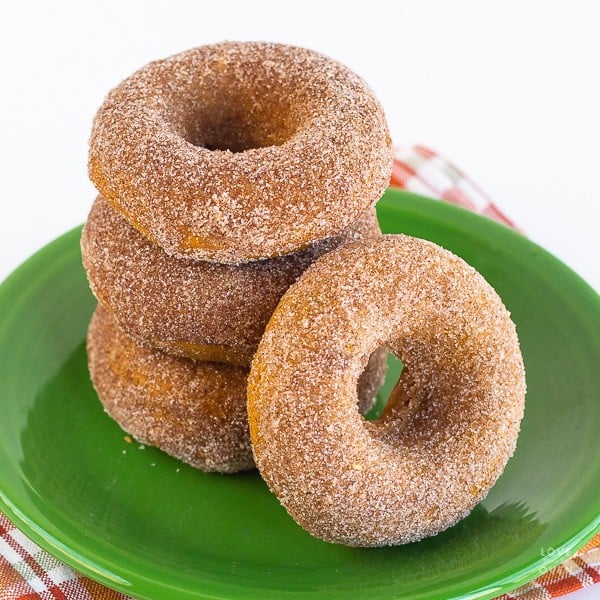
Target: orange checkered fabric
{"x": 580, "y": 571}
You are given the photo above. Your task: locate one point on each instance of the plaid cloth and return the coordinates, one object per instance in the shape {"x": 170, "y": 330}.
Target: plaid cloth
{"x": 425, "y": 172}
{"x": 29, "y": 573}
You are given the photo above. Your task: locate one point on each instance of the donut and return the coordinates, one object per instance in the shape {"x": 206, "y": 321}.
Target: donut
{"x": 192, "y": 410}
{"x": 450, "y": 424}
{"x": 198, "y": 309}
{"x": 235, "y": 152}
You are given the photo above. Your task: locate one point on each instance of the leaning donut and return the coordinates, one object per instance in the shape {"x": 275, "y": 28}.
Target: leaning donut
{"x": 450, "y": 425}
{"x": 198, "y": 309}
{"x": 241, "y": 151}
{"x": 193, "y": 410}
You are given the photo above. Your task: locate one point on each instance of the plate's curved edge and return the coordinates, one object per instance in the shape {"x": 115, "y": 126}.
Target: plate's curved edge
{"x": 93, "y": 570}
{"x": 460, "y": 217}
{"x": 57, "y": 549}
{"x": 9, "y": 281}
{"x": 118, "y": 583}
{"x": 537, "y": 568}
{"x": 464, "y": 218}
{"x": 13, "y": 514}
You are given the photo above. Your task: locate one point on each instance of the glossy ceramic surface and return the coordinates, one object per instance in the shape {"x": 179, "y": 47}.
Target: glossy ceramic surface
{"x": 146, "y": 524}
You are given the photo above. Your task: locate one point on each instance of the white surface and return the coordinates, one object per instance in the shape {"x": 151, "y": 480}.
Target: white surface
{"x": 508, "y": 90}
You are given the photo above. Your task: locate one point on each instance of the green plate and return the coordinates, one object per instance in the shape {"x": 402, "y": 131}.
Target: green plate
{"x": 141, "y": 522}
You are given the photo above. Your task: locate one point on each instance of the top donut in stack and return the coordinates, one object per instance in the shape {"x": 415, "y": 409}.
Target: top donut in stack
{"x": 241, "y": 151}
{"x": 223, "y": 173}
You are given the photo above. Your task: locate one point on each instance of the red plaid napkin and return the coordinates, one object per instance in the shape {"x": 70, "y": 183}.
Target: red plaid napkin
{"x": 425, "y": 172}
{"x": 29, "y": 573}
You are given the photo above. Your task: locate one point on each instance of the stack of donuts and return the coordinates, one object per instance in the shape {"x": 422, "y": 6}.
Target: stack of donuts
{"x": 247, "y": 298}
{"x": 223, "y": 173}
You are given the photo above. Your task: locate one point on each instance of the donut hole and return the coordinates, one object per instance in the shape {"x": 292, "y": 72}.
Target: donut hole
{"x": 428, "y": 402}
{"x": 238, "y": 135}
{"x": 236, "y": 122}
{"x": 395, "y": 368}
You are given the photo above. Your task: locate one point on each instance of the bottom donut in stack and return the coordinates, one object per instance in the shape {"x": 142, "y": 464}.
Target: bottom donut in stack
{"x": 193, "y": 410}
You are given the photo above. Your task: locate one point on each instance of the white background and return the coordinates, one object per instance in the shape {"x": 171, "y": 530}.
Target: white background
{"x": 508, "y": 90}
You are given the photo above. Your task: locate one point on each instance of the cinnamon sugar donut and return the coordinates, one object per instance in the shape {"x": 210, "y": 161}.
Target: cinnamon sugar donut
{"x": 450, "y": 425}
{"x": 241, "y": 151}
{"x": 197, "y": 309}
{"x": 193, "y": 410}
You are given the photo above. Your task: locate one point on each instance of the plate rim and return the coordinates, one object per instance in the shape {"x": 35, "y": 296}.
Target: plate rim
{"x": 430, "y": 208}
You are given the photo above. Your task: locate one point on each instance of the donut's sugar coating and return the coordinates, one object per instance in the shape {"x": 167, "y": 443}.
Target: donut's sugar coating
{"x": 450, "y": 425}
{"x": 193, "y": 410}
{"x": 198, "y": 309}
{"x": 240, "y": 151}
